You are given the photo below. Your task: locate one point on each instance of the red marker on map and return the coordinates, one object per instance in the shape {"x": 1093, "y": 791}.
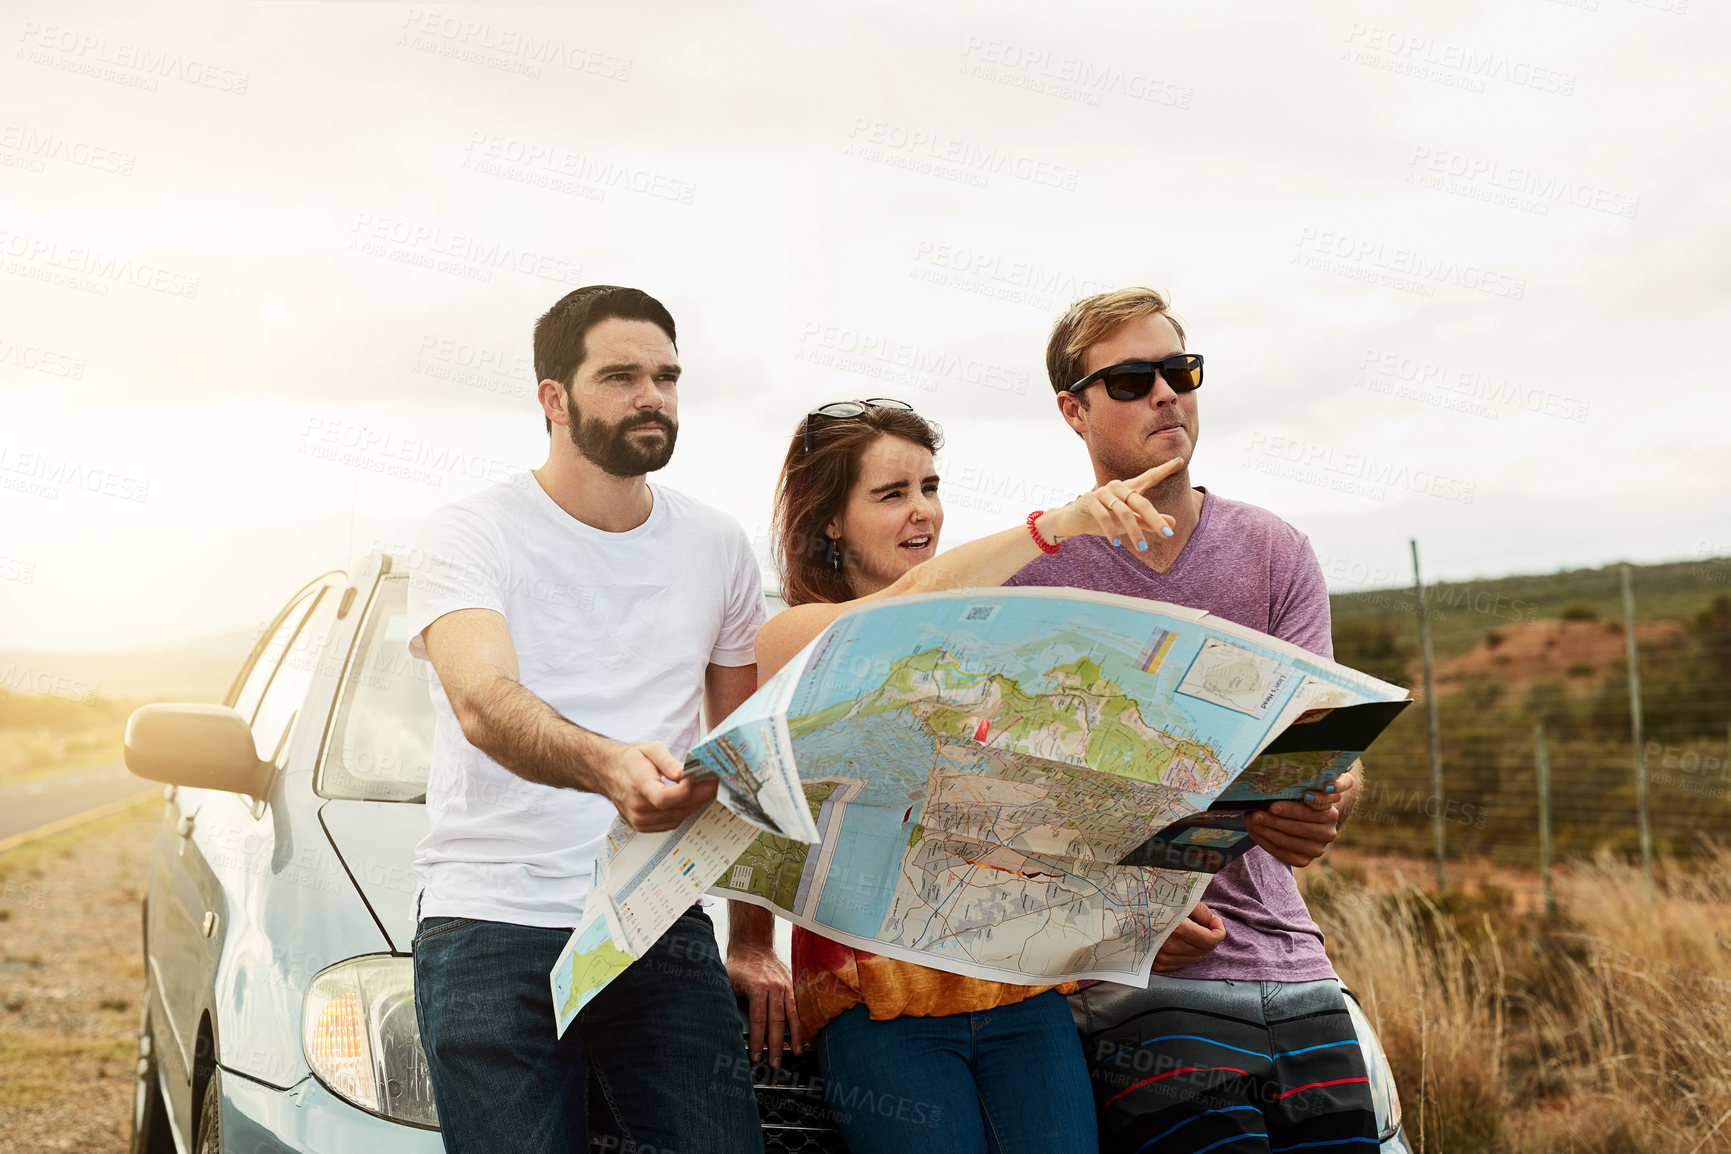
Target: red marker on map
{"x": 981, "y": 730}
{"x": 907, "y": 815}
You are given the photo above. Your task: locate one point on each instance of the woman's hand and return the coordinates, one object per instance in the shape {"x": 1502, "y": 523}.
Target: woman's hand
{"x": 1116, "y": 509}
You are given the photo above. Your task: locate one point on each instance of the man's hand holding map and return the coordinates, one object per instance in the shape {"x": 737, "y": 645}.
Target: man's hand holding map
{"x": 1013, "y": 784}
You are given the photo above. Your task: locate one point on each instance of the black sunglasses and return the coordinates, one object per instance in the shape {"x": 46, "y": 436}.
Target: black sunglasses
{"x": 848, "y": 410}
{"x": 1132, "y": 380}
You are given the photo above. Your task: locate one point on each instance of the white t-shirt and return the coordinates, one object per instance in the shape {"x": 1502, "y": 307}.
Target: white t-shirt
{"x": 613, "y": 630}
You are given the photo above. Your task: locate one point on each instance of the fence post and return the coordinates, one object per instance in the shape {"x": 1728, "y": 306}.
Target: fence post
{"x": 1436, "y": 789}
{"x": 1635, "y": 726}
{"x": 1542, "y": 763}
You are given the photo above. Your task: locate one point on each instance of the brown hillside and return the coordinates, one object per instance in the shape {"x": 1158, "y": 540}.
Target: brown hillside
{"x": 1527, "y": 651}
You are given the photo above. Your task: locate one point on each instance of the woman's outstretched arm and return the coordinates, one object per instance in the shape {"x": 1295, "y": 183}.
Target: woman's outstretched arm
{"x": 1116, "y": 509}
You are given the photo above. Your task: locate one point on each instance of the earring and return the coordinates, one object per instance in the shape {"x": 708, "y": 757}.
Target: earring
{"x": 833, "y": 554}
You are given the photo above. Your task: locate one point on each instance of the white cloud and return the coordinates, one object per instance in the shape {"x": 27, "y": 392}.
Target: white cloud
{"x": 1378, "y": 259}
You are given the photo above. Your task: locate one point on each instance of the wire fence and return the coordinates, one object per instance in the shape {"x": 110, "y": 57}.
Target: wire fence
{"x": 1490, "y": 801}
{"x": 1491, "y": 705}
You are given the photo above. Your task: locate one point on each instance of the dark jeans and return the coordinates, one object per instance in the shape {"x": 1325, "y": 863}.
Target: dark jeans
{"x": 650, "y": 1062}
{"x": 1004, "y": 1081}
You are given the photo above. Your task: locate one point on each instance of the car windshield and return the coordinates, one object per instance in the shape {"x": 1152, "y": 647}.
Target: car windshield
{"x": 382, "y": 744}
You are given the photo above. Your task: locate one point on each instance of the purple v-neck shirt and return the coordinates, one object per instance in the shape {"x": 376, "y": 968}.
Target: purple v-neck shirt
{"x": 1248, "y": 566}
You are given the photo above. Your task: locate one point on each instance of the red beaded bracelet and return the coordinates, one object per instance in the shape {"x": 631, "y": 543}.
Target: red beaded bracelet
{"x": 1035, "y": 533}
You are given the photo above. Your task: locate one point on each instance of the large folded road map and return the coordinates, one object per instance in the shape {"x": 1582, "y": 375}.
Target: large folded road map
{"x": 955, "y": 778}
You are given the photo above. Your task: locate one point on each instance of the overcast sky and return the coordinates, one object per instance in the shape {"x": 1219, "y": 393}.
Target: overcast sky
{"x": 270, "y": 268}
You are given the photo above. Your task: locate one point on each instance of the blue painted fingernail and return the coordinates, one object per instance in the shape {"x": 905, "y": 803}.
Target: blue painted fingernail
{"x": 1115, "y": 541}
{"x": 1141, "y": 544}
{"x": 1310, "y": 797}
{"x": 1330, "y": 789}
{"x": 1166, "y": 530}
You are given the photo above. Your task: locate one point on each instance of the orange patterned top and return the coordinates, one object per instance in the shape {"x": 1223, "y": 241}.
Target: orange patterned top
{"x": 829, "y": 978}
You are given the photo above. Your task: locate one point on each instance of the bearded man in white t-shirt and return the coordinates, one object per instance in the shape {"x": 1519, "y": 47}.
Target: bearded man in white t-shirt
{"x": 576, "y": 618}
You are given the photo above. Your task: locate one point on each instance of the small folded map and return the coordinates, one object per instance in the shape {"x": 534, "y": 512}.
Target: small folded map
{"x": 1025, "y": 785}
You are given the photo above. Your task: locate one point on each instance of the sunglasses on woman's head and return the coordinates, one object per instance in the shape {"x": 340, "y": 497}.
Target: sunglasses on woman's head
{"x": 847, "y": 410}
{"x": 1133, "y": 380}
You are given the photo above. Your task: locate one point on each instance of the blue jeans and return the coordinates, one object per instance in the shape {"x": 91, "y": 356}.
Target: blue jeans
{"x": 1004, "y": 1081}
{"x": 650, "y": 1063}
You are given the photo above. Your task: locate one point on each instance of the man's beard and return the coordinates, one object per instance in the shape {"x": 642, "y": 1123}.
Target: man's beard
{"x": 611, "y": 448}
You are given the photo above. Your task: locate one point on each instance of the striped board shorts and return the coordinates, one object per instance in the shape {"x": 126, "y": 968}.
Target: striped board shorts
{"x": 1233, "y": 1067}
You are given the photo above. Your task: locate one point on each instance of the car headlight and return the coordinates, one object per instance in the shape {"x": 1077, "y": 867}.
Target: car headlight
{"x": 362, "y": 1041}
{"x": 1383, "y": 1092}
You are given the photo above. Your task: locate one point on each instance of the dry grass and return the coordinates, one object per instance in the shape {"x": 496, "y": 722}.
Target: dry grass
{"x": 1606, "y": 1030}
{"x": 70, "y": 981}
{"x": 42, "y": 736}
{"x": 29, "y": 754}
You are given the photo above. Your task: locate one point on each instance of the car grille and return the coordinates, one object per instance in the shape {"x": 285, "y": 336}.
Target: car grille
{"x": 795, "y": 1117}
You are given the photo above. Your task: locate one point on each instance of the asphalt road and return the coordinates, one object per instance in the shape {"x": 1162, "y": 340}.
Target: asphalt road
{"x": 29, "y": 804}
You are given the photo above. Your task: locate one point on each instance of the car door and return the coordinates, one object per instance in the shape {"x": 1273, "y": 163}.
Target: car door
{"x": 203, "y": 838}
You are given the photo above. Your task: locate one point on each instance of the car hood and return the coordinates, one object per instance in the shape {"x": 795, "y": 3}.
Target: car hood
{"x": 376, "y": 841}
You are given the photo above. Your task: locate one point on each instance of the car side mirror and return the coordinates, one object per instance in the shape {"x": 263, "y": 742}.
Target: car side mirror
{"x": 196, "y": 745}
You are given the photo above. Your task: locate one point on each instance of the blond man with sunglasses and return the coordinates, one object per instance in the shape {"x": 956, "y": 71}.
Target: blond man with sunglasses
{"x": 1242, "y": 1040}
